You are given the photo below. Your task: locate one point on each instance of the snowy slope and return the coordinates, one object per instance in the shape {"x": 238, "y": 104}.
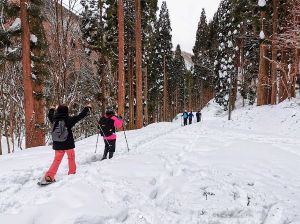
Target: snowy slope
{"x": 240, "y": 171}
{"x": 277, "y": 120}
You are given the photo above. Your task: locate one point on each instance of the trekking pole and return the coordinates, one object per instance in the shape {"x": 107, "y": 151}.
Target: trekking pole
{"x": 97, "y": 134}
{"x": 125, "y": 137}
{"x": 97, "y": 142}
{"x": 95, "y": 120}
{"x": 104, "y": 137}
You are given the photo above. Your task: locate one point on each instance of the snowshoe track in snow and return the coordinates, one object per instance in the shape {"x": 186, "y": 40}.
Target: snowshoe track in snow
{"x": 193, "y": 174}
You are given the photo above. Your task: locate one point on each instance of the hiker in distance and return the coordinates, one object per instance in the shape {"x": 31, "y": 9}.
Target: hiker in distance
{"x": 198, "y": 116}
{"x": 62, "y": 137}
{"x": 107, "y": 125}
{"x": 185, "y": 116}
{"x": 191, "y": 115}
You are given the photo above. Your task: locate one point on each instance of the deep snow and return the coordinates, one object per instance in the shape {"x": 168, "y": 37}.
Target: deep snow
{"x": 218, "y": 171}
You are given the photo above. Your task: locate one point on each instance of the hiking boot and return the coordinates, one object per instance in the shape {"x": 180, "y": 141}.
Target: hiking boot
{"x": 49, "y": 179}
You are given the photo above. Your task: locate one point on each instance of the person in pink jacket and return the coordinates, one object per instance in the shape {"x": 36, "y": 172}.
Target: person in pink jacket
{"x": 107, "y": 125}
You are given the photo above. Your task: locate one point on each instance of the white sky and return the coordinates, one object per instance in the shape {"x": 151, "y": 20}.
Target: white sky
{"x": 185, "y": 15}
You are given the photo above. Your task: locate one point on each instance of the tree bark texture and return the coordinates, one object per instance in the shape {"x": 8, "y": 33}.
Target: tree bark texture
{"x": 131, "y": 92}
{"x": 283, "y": 84}
{"x": 263, "y": 83}
{"x": 139, "y": 81}
{"x": 27, "y": 80}
{"x": 121, "y": 77}
{"x": 146, "y": 116}
{"x": 165, "y": 97}
{"x": 190, "y": 85}
{"x": 295, "y": 71}
{"x": 274, "y": 54}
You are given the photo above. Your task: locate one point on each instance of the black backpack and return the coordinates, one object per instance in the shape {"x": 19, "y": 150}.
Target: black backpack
{"x": 106, "y": 126}
{"x": 59, "y": 131}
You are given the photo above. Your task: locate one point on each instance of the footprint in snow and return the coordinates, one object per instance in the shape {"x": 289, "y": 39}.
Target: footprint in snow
{"x": 153, "y": 194}
{"x": 273, "y": 215}
{"x": 153, "y": 181}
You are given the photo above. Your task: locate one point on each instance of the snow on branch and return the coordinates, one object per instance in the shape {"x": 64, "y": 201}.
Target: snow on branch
{"x": 262, "y": 3}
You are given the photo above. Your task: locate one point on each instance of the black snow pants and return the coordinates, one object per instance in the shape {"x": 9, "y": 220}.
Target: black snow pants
{"x": 184, "y": 121}
{"x": 110, "y": 147}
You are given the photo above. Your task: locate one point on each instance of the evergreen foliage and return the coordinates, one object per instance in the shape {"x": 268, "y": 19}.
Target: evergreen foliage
{"x": 161, "y": 58}
{"x": 9, "y": 32}
{"x": 225, "y": 68}
{"x": 178, "y": 80}
{"x": 200, "y": 50}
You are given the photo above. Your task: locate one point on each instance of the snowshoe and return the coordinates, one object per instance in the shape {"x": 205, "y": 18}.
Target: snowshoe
{"x": 46, "y": 181}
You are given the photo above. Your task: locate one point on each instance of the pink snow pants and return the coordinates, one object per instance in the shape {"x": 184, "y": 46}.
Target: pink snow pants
{"x": 59, "y": 154}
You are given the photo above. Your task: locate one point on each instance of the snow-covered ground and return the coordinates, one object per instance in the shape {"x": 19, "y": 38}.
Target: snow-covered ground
{"x": 5, "y": 146}
{"x": 241, "y": 171}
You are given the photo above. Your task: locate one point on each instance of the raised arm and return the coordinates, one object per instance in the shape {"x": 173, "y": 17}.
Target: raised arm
{"x": 118, "y": 123}
{"x": 74, "y": 119}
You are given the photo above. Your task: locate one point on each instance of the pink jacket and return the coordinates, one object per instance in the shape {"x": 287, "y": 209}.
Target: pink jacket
{"x": 118, "y": 123}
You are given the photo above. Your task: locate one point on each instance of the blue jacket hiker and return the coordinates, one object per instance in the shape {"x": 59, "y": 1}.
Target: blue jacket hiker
{"x": 185, "y": 116}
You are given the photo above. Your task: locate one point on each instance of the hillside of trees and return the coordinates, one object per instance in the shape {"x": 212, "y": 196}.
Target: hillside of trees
{"x": 120, "y": 53}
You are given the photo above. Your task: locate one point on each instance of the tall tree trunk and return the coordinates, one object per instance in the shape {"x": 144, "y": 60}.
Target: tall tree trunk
{"x": 283, "y": 84}
{"x": 146, "y": 116}
{"x": 262, "y": 77}
{"x": 58, "y": 87}
{"x": 27, "y": 80}
{"x": 176, "y": 106}
{"x": 160, "y": 112}
{"x": 263, "y": 82}
{"x": 131, "y": 92}
{"x": 103, "y": 82}
{"x": 242, "y": 62}
{"x": 185, "y": 99}
{"x": 12, "y": 127}
{"x": 139, "y": 80}
{"x": 201, "y": 95}
{"x": 230, "y": 98}
{"x": 39, "y": 116}
{"x": 295, "y": 71}
{"x": 121, "y": 78}
{"x": 190, "y": 93}
{"x": 274, "y": 54}
{"x": 7, "y": 136}
{"x": 165, "y": 97}
{"x": 38, "y": 88}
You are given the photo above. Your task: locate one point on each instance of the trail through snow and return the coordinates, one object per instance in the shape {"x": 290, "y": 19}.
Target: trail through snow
{"x": 212, "y": 172}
